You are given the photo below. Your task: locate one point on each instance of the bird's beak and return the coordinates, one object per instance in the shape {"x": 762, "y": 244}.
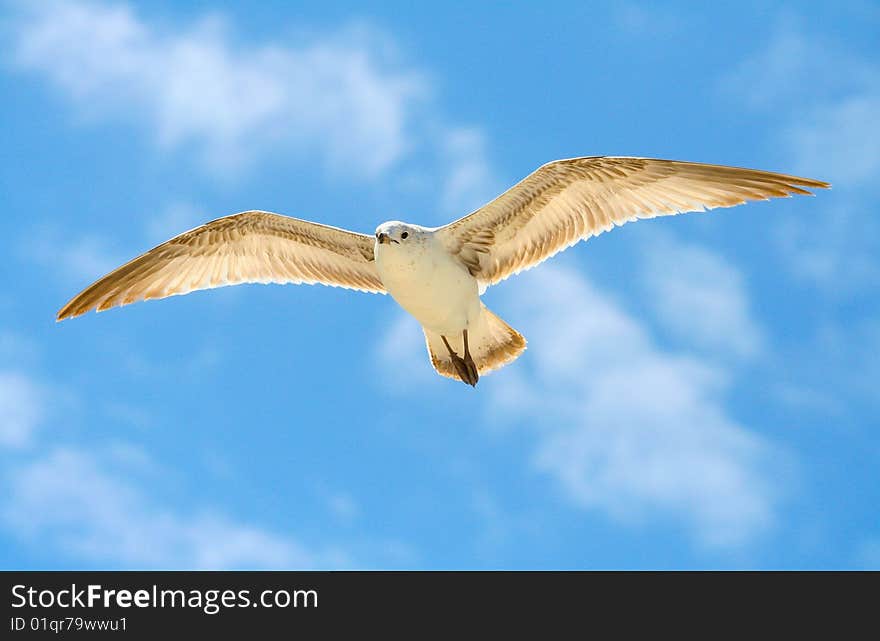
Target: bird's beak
{"x": 383, "y": 238}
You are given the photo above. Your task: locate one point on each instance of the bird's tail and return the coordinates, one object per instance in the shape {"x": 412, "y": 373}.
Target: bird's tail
{"x": 492, "y": 342}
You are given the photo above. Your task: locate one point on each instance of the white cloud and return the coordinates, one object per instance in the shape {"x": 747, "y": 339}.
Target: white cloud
{"x": 93, "y": 504}
{"x": 840, "y": 139}
{"x": 775, "y": 73}
{"x": 175, "y": 219}
{"x": 73, "y": 258}
{"x": 847, "y": 356}
{"x": 403, "y": 355}
{"x": 90, "y": 504}
{"x": 80, "y": 503}
{"x": 82, "y": 257}
{"x": 622, "y": 426}
{"x": 838, "y": 252}
{"x": 699, "y": 297}
{"x": 343, "y": 97}
{"x": 822, "y": 99}
{"x": 343, "y": 506}
{"x": 22, "y": 403}
{"x": 625, "y": 427}
{"x": 340, "y": 96}
{"x": 470, "y": 182}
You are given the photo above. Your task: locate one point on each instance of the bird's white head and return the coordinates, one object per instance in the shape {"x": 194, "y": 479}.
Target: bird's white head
{"x": 400, "y": 234}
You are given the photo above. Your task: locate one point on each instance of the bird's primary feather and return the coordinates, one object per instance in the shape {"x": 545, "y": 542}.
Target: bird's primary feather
{"x": 566, "y": 201}
{"x": 250, "y": 247}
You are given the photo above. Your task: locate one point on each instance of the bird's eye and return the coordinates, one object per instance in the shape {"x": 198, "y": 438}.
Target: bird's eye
{"x": 404, "y": 235}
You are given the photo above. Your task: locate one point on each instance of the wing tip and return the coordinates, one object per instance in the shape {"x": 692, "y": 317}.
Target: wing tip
{"x": 63, "y": 315}
{"x": 813, "y": 183}
{"x": 68, "y": 311}
{"x": 802, "y": 186}
{"x": 75, "y": 309}
{"x": 65, "y": 312}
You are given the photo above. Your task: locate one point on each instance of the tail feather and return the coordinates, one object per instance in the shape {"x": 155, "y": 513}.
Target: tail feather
{"x": 492, "y": 343}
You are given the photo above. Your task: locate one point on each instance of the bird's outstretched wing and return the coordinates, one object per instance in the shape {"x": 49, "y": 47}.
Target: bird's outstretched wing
{"x": 250, "y": 247}
{"x": 570, "y": 200}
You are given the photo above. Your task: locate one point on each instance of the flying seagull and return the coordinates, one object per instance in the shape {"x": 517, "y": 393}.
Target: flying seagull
{"x": 437, "y": 274}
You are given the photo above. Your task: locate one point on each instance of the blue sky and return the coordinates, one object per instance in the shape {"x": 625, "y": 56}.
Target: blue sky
{"x": 698, "y": 392}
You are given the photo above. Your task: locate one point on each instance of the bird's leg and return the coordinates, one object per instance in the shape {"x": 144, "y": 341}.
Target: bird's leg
{"x": 474, "y": 375}
{"x": 464, "y": 372}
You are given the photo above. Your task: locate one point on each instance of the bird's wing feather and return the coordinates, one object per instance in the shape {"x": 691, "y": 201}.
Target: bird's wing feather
{"x": 250, "y": 247}
{"x": 570, "y": 200}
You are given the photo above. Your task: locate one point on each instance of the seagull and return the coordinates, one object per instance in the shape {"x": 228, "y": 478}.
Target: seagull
{"x": 438, "y": 274}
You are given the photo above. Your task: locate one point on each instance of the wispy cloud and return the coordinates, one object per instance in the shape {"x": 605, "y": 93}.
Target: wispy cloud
{"x": 636, "y": 429}
{"x": 343, "y": 506}
{"x": 699, "y": 297}
{"x": 345, "y": 97}
{"x": 824, "y": 99}
{"x": 840, "y": 138}
{"x": 470, "y": 181}
{"x": 627, "y": 428}
{"x": 90, "y": 508}
{"x": 73, "y": 258}
{"x": 176, "y": 218}
{"x": 82, "y": 256}
{"x": 848, "y": 356}
{"x": 94, "y": 505}
{"x": 837, "y": 253}
{"x": 341, "y": 96}
{"x": 401, "y": 351}
{"x": 21, "y": 408}
{"x": 623, "y": 426}
{"x": 793, "y": 65}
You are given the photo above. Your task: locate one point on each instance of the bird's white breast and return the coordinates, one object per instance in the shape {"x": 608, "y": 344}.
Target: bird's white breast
{"x": 429, "y": 283}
